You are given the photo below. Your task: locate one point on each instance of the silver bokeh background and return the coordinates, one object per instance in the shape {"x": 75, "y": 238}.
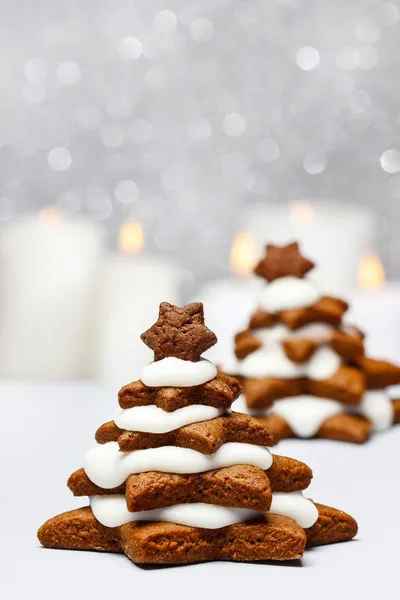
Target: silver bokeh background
{"x": 181, "y": 113}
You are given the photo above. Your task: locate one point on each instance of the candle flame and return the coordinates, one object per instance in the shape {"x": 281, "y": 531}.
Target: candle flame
{"x": 371, "y": 274}
{"x": 50, "y": 216}
{"x": 243, "y": 254}
{"x": 131, "y": 237}
{"x": 301, "y": 213}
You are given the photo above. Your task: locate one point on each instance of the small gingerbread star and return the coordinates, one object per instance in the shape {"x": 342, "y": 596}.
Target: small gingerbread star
{"x": 283, "y": 261}
{"x": 179, "y": 332}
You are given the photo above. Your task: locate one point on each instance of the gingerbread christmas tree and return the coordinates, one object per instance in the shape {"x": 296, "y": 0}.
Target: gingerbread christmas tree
{"x": 177, "y": 477}
{"x": 302, "y": 369}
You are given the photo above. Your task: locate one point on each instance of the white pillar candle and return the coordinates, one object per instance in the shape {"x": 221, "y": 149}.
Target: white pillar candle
{"x": 47, "y": 273}
{"x": 374, "y": 308}
{"x": 129, "y": 293}
{"x": 332, "y": 234}
{"x": 377, "y": 313}
{"x": 229, "y": 303}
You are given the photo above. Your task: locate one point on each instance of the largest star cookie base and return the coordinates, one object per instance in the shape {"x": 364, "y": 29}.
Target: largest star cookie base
{"x": 272, "y": 537}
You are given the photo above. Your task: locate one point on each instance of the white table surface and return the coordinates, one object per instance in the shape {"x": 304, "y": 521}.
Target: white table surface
{"x": 46, "y": 430}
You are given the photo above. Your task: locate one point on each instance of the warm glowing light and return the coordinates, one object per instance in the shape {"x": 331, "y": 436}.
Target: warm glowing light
{"x": 371, "y": 275}
{"x": 50, "y": 216}
{"x": 131, "y": 237}
{"x": 301, "y": 213}
{"x": 243, "y": 254}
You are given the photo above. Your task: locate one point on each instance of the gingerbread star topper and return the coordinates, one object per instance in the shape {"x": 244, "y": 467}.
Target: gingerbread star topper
{"x": 179, "y": 332}
{"x": 283, "y": 261}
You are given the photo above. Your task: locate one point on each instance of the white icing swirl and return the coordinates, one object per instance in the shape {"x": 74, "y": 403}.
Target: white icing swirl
{"x": 288, "y": 293}
{"x": 153, "y": 419}
{"x": 175, "y": 372}
{"x": 111, "y": 511}
{"x": 306, "y": 414}
{"x": 274, "y": 363}
{"x": 377, "y": 406}
{"x": 107, "y": 467}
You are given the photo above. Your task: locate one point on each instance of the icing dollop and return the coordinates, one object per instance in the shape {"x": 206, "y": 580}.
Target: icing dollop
{"x": 377, "y": 406}
{"x": 107, "y": 467}
{"x": 240, "y": 405}
{"x": 294, "y": 506}
{"x": 306, "y": 414}
{"x": 269, "y": 363}
{"x": 288, "y": 293}
{"x": 323, "y": 364}
{"x": 111, "y": 511}
{"x": 152, "y": 419}
{"x": 176, "y": 372}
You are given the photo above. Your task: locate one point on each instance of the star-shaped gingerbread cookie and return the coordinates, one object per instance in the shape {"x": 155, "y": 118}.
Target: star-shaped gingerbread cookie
{"x": 283, "y": 261}
{"x": 179, "y": 332}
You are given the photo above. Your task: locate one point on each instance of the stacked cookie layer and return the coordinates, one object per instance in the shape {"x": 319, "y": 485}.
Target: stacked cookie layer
{"x": 177, "y": 477}
{"x": 302, "y": 367}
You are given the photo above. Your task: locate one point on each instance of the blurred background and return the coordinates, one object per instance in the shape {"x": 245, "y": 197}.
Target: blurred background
{"x": 150, "y": 149}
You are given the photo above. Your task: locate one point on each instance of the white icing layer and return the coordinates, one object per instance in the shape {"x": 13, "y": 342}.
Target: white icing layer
{"x": 153, "y": 419}
{"x": 175, "y": 372}
{"x": 270, "y": 363}
{"x": 314, "y": 331}
{"x": 274, "y": 363}
{"x": 279, "y": 332}
{"x": 111, "y": 511}
{"x": 294, "y": 506}
{"x": 288, "y": 293}
{"x": 107, "y": 467}
{"x": 272, "y": 336}
{"x": 306, "y": 414}
{"x": 378, "y": 408}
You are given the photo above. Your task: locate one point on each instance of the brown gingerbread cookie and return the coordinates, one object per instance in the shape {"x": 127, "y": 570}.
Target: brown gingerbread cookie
{"x": 220, "y": 392}
{"x": 179, "y": 332}
{"x": 327, "y": 310}
{"x": 342, "y": 427}
{"x": 347, "y": 386}
{"x": 379, "y": 373}
{"x": 332, "y": 526}
{"x": 396, "y": 411}
{"x": 283, "y": 261}
{"x": 299, "y": 349}
{"x": 271, "y": 537}
{"x": 205, "y": 437}
{"x": 246, "y": 342}
{"x": 285, "y": 475}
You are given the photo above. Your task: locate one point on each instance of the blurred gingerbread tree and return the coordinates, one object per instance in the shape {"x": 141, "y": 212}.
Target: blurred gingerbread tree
{"x": 302, "y": 368}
